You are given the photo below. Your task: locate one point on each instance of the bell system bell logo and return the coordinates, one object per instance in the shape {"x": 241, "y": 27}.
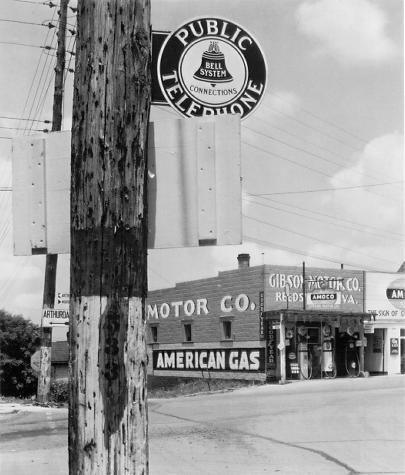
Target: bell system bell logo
{"x": 211, "y": 66}
{"x": 396, "y": 293}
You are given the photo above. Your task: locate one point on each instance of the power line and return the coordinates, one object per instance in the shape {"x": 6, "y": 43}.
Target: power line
{"x": 48, "y": 25}
{"x": 344, "y": 161}
{"x": 302, "y": 253}
{"x": 281, "y": 157}
{"x": 362, "y": 230}
{"x": 36, "y": 72}
{"x": 301, "y": 150}
{"x": 304, "y": 124}
{"x": 21, "y": 118}
{"x": 322, "y": 119}
{"x": 331, "y": 216}
{"x": 40, "y": 108}
{"x": 41, "y": 82}
{"x": 313, "y": 238}
{"x": 25, "y": 44}
{"x": 328, "y": 189}
{"x": 301, "y": 165}
{"x": 159, "y": 275}
{"x": 293, "y": 147}
{"x": 49, "y": 4}
{"x": 20, "y": 128}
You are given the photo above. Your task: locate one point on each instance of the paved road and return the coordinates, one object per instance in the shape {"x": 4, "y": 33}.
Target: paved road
{"x": 350, "y": 426}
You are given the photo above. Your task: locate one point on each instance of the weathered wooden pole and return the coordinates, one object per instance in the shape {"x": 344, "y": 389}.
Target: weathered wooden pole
{"x": 108, "y": 408}
{"x": 51, "y": 263}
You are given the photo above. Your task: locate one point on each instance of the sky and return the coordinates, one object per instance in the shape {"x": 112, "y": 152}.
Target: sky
{"x": 322, "y": 156}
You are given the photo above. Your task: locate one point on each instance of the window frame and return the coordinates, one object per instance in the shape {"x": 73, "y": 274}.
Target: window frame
{"x": 226, "y": 320}
{"x": 151, "y": 335}
{"x": 188, "y": 324}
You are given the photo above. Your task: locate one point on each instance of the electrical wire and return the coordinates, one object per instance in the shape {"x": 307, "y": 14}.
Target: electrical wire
{"x": 159, "y": 275}
{"x": 322, "y": 119}
{"x": 292, "y": 146}
{"x": 284, "y": 158}
{"x": 343, "y": 162}
{"x": 328, "y": 189}
{"x": 334, "y": 217}
{"x": 6, "y": 20}
{"x": 281, "y": 157}
{"x": 50, "y": 4}
{"x": 20, "y": 118}
{"x": 36, "y": 73}
{"x": 20, "y": 128}
{"x": 313, "y": 238}
{"x": 51, "y": 79}
{"x": 46, "y": 66}
{"x": 304, "y": 124}
{"x": 309, "y": 153}
{"x": 25, "y": 44}
{"x": 361, "y": 230}
{"x": 309, "y": 254}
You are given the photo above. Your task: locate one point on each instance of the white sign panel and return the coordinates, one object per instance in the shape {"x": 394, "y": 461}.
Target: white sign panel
{"x": 62, "y": 299}
{"x": 55, "y": 316}
{"x": 194, "y": 187}
{"x": 323, "y": 299}
{"x": 385, "y": 295}
{"x": 29, "y": 223}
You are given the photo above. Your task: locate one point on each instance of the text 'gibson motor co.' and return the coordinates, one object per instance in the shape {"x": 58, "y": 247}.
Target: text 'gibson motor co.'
{"x": 199, "y": 306}
{"x": 211, "y": 66}
{"x": 290, "y": 287}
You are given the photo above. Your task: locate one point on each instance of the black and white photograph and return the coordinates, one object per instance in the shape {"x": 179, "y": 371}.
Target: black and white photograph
{"x": 202, "y": 237}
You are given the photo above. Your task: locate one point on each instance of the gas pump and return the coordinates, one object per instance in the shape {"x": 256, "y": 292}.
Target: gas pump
{"x": 352, "y": 359}
{"x": 292, "y": 366}
{"x": 304, "y": 361}
{"x": 328, "y": 363}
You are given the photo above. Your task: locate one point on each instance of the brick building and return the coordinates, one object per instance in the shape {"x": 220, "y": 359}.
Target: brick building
{"x": 258, "y": 323}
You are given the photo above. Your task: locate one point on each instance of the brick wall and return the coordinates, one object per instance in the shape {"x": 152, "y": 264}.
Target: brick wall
{"x": 232, "y": 295}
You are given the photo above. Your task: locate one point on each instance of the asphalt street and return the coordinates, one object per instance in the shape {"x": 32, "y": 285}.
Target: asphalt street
{"x": 344, "y": 426}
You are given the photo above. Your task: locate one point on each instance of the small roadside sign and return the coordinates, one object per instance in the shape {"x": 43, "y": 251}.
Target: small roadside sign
{"x": 62, "y": 298}
{"x": 55, "y": 316}
{"x": 368, "y": 327}
{"x": 35, "y": 361}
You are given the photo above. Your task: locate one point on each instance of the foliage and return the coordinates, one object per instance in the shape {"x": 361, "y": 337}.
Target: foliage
{"x": 19, "y": 338}
{"x": 60, "y": 390}
{"x": 170, "y": 386}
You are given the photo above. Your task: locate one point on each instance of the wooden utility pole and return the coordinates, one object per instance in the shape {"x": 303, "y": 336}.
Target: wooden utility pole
{"x": 44, "y": 379}
{"x": 108, "y": 359}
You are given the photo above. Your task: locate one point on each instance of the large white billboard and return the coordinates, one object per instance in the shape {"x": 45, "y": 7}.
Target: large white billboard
{"x": 385, "y": 295}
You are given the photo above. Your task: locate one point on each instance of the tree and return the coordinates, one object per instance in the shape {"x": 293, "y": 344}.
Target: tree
{"x": 19, "y": 338}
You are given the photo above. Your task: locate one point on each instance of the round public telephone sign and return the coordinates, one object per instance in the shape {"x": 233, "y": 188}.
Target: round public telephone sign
{"x": 212, "y": 66}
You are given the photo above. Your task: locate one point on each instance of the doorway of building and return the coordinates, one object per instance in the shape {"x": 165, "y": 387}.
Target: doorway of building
{"x": 315, "y": 350}
{"x": 347, "y": 355}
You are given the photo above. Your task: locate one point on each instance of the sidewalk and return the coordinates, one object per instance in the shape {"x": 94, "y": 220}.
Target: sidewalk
{"x": 14, "y": 407}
